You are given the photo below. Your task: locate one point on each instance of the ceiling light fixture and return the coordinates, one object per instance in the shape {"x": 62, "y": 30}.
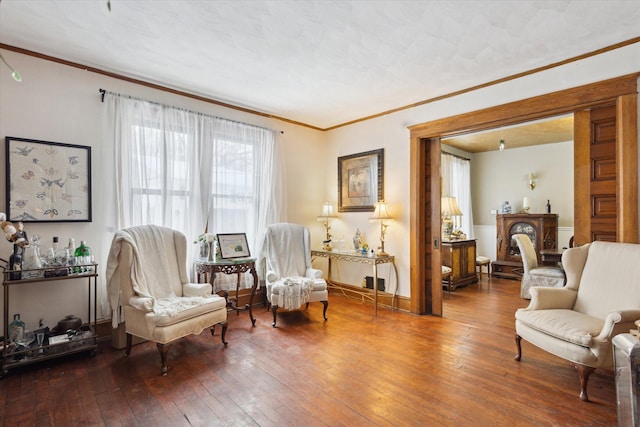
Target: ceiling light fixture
{"x": 501, "y": 145}
{"x": 16, "y": 75}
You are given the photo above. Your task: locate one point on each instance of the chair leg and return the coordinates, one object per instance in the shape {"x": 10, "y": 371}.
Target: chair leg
{"x": 224, "y": 333}
{"x": 519, "y": 345}
{"x": 164, "y": 352}
{"x": 274, "y": 308}
{"x": 127, "y": 350}
{"x": 324, "y": 310}
{"x": 584, "y": 372}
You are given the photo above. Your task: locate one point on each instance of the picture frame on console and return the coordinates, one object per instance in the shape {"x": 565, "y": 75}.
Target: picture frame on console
{"x": 47, "y": 181}
{"x": 360, "y": 181}
{"x": 233, "y": 245}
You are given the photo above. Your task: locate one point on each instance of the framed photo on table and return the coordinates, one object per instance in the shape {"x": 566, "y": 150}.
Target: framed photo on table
{"x": 360, "y": 181}
{"x": 233, "y": 245}
{"x": 47, "y": 181}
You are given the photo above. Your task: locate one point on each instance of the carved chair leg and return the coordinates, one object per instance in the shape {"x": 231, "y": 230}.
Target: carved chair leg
{"x": 127, "y": 350}
{"x": 213, "y": 330}
{"x": 224, "y": 333}
{"x": 324, "y": 310}
{"x": 584, "y": 372}
{"x": 164, "y": 352}
{"x": 519, "y": 345}
{"x": 274, "y": 308}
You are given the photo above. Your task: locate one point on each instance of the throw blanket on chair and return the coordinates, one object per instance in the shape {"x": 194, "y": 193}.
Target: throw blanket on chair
{"x": 293, "y": 291}
{"x": 151, "y": 272}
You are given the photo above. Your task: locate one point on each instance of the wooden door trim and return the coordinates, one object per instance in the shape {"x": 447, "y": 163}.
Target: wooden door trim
{"x": 428, "y": 290}
{"x": 627, "y": 160}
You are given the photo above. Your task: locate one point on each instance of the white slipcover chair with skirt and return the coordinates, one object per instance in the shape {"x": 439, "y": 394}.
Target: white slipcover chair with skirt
{"x": 289, "y": 277}
{"x": 534, "y": 275}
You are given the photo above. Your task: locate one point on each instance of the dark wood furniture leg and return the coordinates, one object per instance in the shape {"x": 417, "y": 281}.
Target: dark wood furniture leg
{"x": 224, "y": 333}
{"x": 584, "y": 372}
{"x": 274, "y": 308}
{"x": 127, "y": 350}
{"x": 324, "y": 310}
{"x": 164, "y": 352}
{"x": 519, "y": 345}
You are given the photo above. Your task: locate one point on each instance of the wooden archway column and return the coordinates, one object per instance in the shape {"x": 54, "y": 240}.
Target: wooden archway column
{"x": 425, "y": 274}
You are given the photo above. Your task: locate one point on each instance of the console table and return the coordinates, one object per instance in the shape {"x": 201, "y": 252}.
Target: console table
{"x": 358, "y": 258}
{"x": 230, "y": 266}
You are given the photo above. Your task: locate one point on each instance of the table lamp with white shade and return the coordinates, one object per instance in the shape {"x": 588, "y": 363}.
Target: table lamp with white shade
{"x": 381, "y": 213}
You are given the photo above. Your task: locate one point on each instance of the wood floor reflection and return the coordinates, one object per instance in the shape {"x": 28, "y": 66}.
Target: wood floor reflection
{"x": 398, "y": 369}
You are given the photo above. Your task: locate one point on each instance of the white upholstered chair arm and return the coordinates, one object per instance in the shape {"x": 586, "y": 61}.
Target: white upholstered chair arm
{"x": 624, "y": 316}
{"x": 271, "y": 276}
{"x": 141, "y": 303}
{"x": 196, "y": 289}
{"x": 313, "y": 273}
{"x": 543, "y": 298}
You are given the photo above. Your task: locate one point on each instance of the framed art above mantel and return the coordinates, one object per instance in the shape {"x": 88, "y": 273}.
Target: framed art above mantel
{"x": 47, "y": 181}
{"x": 360, "y": 181}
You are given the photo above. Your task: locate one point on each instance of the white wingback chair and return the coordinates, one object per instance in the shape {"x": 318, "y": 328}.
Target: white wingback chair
{"x": 149, "y": 290}
{"x": 533, "y": 274}
{"x": 600, "y": 300}
{"x": 289, "y": 277}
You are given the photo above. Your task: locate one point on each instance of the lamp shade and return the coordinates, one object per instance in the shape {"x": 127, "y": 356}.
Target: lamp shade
{"x": 449, "y": 207}
{"x": 327, "y": 212}
{"x": 381, "y": 211}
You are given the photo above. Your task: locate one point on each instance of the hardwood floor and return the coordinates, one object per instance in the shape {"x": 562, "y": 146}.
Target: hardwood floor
{"x": 396, "y": 370}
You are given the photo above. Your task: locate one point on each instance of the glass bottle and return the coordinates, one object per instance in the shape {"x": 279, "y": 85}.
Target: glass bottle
{"x": 15, "y": 263}
{"x": 16, "y": 329}
{"x": 548, "y": 207}
{"x": 83, "y": 255}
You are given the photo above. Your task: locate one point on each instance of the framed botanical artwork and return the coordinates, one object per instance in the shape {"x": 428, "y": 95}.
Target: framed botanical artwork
{"x": 47, "y": 181}
{"x": 360, "y": 181}
{"x": 233, "y": 245}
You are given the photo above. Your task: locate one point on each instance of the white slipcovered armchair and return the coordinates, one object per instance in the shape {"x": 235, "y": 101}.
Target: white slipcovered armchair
{"x": 290, "y": 280}
{"x": 534, "y": 275}
{"x": 149, "y": 290}
{"x": 600, "y": 300}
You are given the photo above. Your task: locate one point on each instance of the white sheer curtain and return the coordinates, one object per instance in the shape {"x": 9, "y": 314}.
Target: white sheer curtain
{"x": 184, "y": 170}
{"x": 456, "y": 182}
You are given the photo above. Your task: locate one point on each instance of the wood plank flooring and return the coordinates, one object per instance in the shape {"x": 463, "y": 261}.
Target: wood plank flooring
{"x": 396, "y": 370}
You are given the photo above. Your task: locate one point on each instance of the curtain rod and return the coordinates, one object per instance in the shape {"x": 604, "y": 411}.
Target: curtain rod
{"x": 103, "y": 92}
{"x": 454, "y": 155}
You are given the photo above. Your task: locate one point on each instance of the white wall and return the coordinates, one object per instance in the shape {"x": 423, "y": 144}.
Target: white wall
{"x": 504, "y": 176}
{"x": 62, "y": 104}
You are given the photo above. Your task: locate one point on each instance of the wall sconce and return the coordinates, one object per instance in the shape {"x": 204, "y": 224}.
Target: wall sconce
{"x": 327, "y": 212}
{"x": 448, "y": 209}
{"x": 532, "y": 181}
{"x": 380, "y": 214}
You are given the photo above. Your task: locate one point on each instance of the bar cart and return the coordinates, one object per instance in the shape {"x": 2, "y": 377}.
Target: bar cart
{"x": 57, "y": 343}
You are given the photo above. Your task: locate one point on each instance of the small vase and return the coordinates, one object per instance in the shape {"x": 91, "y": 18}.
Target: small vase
{"x": 211, "y": 253}
{"x": 204, "y": 251}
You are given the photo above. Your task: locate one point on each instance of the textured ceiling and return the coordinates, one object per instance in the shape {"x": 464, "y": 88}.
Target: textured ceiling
{"x": 318, "y": 62}
{"x": 557, "y": 129}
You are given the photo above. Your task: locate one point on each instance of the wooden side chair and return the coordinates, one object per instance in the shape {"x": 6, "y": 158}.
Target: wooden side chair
{"x": 483, "y": 261}
{"x": 446, "y": 277}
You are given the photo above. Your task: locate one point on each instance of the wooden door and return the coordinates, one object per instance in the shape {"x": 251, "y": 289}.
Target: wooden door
{"x": 605, "y": 179}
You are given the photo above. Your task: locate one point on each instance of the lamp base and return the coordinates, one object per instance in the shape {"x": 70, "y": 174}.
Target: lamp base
{"x": 382, "y": 253}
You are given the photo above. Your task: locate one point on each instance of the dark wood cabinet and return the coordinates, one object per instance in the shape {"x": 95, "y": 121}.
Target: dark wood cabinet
{"x": 460, "y": 256}
{"x": 541, "y": 228}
